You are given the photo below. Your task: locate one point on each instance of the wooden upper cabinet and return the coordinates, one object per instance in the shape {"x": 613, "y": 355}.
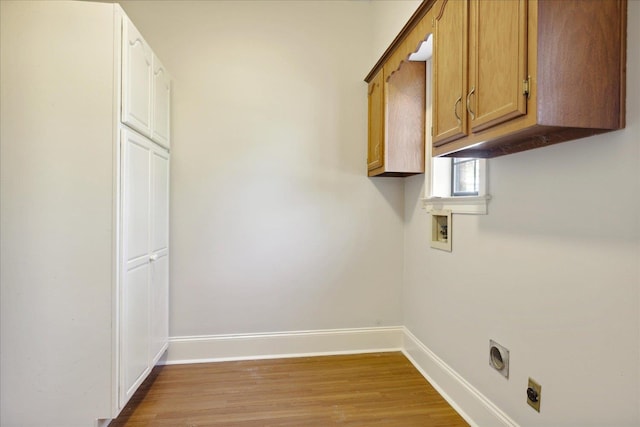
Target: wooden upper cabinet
{"x": 375, "y": 157}
{"x": 540, "y": 73}
{"x": 513, "y": 75}
{"x": 397, "y": 114}
{"x": 450, "y": 71}
{"x": 479, "y": 65}
{"x": 497, "y": 62}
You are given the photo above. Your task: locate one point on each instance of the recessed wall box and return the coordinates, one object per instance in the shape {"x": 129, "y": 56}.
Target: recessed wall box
{"x": 441, "y": 230}
{"x": 499, "y": 358}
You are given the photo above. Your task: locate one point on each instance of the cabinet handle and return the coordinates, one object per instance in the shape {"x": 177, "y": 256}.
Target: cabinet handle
{"x": 455, "y": 110}
{"x": 473, "y": 115}
{"x": 153, "y": 257}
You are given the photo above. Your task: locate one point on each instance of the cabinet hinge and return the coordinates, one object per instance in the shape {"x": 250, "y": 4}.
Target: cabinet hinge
{"x": 526, "y": 87}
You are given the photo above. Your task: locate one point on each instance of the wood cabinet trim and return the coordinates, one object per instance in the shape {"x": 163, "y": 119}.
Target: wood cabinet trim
{"x": 415, "y": 19}
{"x": 376, "y": 123}
{"x": 441, "y": 12}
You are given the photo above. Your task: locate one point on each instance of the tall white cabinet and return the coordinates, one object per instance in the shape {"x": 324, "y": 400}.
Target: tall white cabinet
{"x": 85, "y": 141}
{"x": 144, "y": 139}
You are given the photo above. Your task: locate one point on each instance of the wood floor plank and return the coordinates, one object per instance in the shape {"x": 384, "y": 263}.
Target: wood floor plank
{"x": 379, "y": 389}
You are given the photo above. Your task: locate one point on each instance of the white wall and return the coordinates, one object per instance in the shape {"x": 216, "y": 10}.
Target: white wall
{"x": 388, "y": 18}
{"x": 552, "y": 273}
{"x": 274, "y": 224}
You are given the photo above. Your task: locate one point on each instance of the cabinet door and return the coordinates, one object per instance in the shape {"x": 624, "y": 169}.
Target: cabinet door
{"x": 450, "y": 72}
{"x": 498, "y": 60}
{"x": 159, "y": 253}
{"x": 137, "y": 75}
{"x": 161, "y": 104}
{"x": 136, "y": 269}
{"x": 375, "y": 157}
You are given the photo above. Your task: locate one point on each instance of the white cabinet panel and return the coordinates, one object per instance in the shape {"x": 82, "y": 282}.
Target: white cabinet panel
{"x": 159, "y": 252}
{"x": 136, "y": 180}
{"x": 137, "y": 76}
{"x": 160, "y": 200}
{"x": 135, "y": 294}
{"x": 161, "y": 104}
{"x": 159, "y": 305}
{"x": 135, "y": 330}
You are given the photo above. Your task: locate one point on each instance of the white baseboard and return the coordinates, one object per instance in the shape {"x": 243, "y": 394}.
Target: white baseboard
{"x": 472, "y": 405}
{"x": 217, "y": 348}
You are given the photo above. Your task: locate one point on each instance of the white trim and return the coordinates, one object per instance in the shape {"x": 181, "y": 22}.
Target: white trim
{"x": 424, "y": 51}
{"x": 116, "y": 280}
{"x": 476, "y": 205}
{"x": 472, "y": 405}
{"x": 217, "y": 348}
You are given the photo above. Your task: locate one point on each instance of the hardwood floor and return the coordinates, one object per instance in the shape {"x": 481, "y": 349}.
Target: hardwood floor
{"x": 380, "y": 389}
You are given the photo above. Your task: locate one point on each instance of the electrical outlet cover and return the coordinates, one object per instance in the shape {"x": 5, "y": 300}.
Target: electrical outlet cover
{"x": 534, "y": 394}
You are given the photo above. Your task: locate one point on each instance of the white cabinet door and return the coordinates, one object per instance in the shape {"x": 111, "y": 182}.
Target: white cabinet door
{"x": 144, "y": 303}
{"x": 159, "y": 252}
{"x": 136, "y": 265}
{"x": 161, "y": 104}
{"x": 159, "y": 307}
{"x": 137, "y": 77}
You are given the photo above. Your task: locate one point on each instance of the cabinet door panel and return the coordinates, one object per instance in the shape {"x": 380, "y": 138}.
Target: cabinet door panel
{"x": 135, "y": 329}
{"x": 137, "y": 75}
{"x": 159, "y": 305}
{"x": 375, "y": 157}
{"x": 136, "y": 222}
{"x": 135, "y": 292}
{"x": 160, "y": 252}
{"x": 450, "y": 72}
{"x": 497, "y": 67}
{"x": 160, "y": 201}
{"x": 161, "y": 104}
